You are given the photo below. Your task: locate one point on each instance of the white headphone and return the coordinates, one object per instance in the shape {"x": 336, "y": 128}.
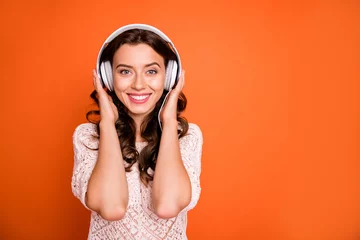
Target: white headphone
{"x": 173, "y": 69}
{"x": 104, "y": 69}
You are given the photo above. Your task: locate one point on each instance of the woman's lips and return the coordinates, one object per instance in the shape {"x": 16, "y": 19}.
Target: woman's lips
{"x": 139, "y": 98}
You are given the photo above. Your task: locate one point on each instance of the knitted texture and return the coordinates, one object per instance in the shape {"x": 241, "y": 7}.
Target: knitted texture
{"x": 140, "y": 221}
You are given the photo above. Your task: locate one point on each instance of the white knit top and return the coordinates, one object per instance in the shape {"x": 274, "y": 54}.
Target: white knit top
{"x": 140, "y": 221}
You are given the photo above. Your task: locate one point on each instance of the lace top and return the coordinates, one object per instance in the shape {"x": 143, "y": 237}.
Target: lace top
{"x": 140, "y": 221}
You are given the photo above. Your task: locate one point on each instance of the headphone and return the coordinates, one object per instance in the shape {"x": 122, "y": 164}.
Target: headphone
{"x": 173, "y": 68}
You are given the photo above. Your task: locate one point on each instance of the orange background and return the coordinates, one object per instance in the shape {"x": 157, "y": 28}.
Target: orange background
{"x": 274, "y": 88}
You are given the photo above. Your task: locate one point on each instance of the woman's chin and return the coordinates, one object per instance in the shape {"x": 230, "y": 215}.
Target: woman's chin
{"x": 139, "y": 111}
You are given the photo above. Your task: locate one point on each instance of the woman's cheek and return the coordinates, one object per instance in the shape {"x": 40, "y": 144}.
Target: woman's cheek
{"x": 122, "y": 84}
{"x": 158, "y": 84}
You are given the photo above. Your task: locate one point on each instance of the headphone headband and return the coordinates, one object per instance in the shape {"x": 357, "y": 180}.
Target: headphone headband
{"x": 141, "y": 27}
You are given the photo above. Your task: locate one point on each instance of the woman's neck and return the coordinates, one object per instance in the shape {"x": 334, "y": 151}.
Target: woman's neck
{"x": 138, "y": 120}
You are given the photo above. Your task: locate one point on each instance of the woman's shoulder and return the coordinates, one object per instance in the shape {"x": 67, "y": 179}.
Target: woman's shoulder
{"x": 194, "y": 130}
{"x": 193, "y": 138}
{"x": 86, "y": 134}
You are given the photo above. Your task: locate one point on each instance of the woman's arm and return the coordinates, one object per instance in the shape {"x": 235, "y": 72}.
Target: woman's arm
{"x": 107, "y": 189}
{"x": 171, "y": 190}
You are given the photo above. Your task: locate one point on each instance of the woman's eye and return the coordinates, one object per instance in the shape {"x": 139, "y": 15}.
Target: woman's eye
{"x": 124, "y": 71}
{"x": 152, "y": 72}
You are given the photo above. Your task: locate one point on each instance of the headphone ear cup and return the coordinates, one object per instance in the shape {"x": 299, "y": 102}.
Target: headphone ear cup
{"x": 102, "y": 74}
{"x": 171, "y": 71}
{"x": 106, "y": 75}
{"x": 168, "y": 75}
{"x": 174, "y": 74}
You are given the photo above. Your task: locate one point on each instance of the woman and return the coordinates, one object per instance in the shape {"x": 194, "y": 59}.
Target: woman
{"x": 137, "y": 168}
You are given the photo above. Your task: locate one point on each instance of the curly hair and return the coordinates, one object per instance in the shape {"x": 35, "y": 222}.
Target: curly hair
{"x": 125, "y": 125}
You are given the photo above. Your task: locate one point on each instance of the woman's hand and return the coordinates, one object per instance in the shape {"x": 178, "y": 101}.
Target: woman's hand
{"x": 169, "y": 111}
{"x": 108, "y": 110}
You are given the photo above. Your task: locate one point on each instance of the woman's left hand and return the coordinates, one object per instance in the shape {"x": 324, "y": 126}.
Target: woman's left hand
{"x": 169, "y": 111}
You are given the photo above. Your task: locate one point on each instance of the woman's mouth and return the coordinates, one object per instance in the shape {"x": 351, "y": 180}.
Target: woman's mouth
{"x": 139, "y": 98}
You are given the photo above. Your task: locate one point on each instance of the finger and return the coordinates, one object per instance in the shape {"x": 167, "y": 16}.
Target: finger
{"x": 98, "y": 86}
{"x": 179, "y": 86}
{"x": 167, "y": 98}
{"x": 94, "y": 80}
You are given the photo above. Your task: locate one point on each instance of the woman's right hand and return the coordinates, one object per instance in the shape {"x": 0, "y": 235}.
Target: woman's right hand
{"x": 108, "y": 110}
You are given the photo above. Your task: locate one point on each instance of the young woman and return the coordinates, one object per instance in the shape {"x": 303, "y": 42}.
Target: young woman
{"x": 137, "y": 168}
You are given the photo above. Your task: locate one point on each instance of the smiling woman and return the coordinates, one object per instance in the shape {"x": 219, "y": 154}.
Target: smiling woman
{"x": 139, "y": 83}
{"x": 138, "y": 168}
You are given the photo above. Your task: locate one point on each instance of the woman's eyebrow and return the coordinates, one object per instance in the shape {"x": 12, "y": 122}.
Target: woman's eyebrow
{"x": 153, "y": 63}
{"x": 123, "y": 65}
{"x": 128, "y": 66}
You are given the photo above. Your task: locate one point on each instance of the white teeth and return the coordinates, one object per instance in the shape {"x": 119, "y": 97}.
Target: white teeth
{"x": 139, "y": 98}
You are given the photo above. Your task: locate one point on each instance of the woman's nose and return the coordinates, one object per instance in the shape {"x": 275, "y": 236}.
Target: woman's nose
{"x": 139, "y": 82}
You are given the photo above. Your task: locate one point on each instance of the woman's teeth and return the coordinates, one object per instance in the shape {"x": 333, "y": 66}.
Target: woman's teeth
{"x": 139, "y": 98}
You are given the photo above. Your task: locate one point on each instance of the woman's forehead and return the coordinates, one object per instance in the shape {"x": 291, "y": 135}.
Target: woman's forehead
{"x": 137, "y": 54}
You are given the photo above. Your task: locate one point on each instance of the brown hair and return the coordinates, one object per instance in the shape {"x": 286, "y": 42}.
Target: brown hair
{"x": 150, "y": 128}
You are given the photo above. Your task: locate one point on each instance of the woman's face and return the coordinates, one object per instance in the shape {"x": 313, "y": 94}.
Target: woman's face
{"x": 139, "y": 76}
